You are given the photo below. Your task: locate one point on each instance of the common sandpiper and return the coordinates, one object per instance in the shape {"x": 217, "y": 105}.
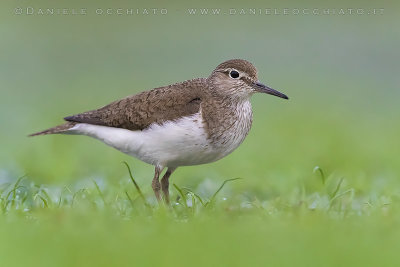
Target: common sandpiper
{"x": 188, "y": 123}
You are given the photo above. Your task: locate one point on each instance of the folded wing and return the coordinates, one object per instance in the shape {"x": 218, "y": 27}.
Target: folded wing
{"x": 139, "y": 111}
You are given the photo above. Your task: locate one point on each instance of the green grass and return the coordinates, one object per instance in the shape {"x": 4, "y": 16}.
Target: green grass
{"x": 324, "y": 221}
{"x": 319, "y": 174}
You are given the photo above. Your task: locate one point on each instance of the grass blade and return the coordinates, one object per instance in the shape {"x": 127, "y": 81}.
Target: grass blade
{"x": 13, "y": 192}
{"x": 45, "y": 203}
{"x": 337, "y": 188}
{"x": 321, "y": 173}
{"x": 99, "y": 191}
{"x": 182, "y": 194}
{"x": 351, "y": 191}
{"x": 134, "y": 183}
{"x": 129, "y": 198}
{"x": 220, "y": 188}
{"x": 196, "y": 195}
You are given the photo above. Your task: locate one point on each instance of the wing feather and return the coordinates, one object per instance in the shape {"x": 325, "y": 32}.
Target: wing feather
{"x": 139, "y": 111}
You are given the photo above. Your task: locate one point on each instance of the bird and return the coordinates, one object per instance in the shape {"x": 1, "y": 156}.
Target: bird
{"x": 194, "y": 122}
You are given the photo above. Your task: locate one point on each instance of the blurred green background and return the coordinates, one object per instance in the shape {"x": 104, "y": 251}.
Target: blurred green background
{"x": 341, "y": 73}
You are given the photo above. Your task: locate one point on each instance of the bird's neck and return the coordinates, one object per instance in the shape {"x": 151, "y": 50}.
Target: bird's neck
{"x": 228, "y": 118}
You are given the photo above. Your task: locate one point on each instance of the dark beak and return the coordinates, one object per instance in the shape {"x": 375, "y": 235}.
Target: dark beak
{"x": 259, "y": 87}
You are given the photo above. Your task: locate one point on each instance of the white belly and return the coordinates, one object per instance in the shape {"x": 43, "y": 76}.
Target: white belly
{"x": 172, "y": 144}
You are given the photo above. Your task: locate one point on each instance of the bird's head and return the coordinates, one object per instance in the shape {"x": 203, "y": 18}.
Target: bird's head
{"x": 238, "y": 78}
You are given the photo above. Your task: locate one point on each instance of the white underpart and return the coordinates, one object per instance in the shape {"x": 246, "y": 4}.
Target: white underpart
{"x": 171, "y": 144}
{"x": 176, "y": 143}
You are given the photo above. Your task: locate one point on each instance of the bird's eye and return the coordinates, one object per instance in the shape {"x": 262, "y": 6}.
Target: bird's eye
{"x": 234, "y": 74}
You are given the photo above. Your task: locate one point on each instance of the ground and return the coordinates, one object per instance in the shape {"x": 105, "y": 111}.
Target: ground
{"x": 319, "y": 174}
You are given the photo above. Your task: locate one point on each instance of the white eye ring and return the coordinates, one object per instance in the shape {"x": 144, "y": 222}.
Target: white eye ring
{"x": 234, "y": 74}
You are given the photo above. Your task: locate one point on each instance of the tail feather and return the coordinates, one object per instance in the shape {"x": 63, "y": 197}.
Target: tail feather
{"x": 55, "y": 130}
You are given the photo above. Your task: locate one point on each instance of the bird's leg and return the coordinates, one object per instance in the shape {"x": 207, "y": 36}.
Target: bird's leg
{"x": 165, "y": 183}
{"x": 156, "y": 183}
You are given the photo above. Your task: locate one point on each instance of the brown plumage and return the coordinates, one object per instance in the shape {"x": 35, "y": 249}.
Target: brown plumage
{"x": 188, "y": 123}
{"x": 58, "y": 129}
{"x": 137, "y": 112}
{"x": 158, "y": 105}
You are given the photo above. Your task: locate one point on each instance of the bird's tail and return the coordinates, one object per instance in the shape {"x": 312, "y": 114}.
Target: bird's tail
{"x": 63, "y": 128}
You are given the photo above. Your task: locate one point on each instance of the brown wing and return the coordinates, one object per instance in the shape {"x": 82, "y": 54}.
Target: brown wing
{"x": 139, "y": 111}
